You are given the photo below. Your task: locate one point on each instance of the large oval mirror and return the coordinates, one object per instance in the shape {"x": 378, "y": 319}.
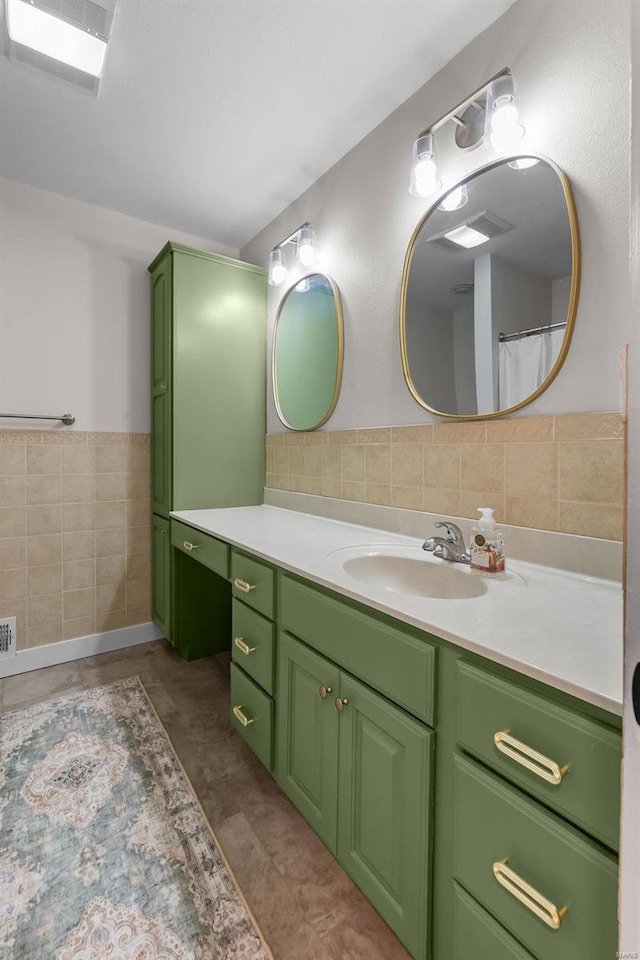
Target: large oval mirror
{"x": 307, "y": 353}
{"x": 490, "y": 289}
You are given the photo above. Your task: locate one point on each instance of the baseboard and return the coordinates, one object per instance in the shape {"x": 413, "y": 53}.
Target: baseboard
{"x": 51, "y": 654}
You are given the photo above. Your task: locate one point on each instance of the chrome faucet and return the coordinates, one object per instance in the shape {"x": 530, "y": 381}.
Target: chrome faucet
{"x": 452, "y": 548}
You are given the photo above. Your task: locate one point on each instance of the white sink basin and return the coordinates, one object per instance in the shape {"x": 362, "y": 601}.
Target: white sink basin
{"x": 404, "y": 570}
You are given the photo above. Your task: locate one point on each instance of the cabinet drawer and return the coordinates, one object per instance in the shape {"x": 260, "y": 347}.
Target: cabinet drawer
{"x": 477, "y": 935}
{"x": 253, "y": 582}
{"x": 252, "y": 715}
{"x": 588, "y": 792}
{"x": 202, "y": 547}
{"x": 253, "y": 644}
{"x": 397, "y": 664}
{"x": 500, "y": 832}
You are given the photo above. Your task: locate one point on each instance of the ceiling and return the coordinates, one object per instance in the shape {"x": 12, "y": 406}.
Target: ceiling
{"x": 214, "y": 115}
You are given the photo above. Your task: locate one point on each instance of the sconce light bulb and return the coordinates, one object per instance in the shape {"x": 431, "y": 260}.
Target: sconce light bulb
{"x": 279, "y": 275}
{"x": 504, "y": 114}
{"x": 503, "y": 131}
{"x": 306, "y": 246}
{"x": 306, "y": 254}
{"x": 507, "y": 138}
{"x": 424, "y": 169}
{"x": 455, "y": 199}
{"x": 523, "y": 163}
{"x": 277, "y": 268}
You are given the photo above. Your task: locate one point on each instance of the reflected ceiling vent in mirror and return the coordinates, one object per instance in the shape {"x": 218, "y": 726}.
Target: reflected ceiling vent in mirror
{"x": 66, "y": 38}
{"x": 462, "y": 289}
{"x": 472, "y": 233}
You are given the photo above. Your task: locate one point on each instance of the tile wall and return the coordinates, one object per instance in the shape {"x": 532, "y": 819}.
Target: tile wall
{"x": 74, "y": 532}
{"x": 562, "y": 473}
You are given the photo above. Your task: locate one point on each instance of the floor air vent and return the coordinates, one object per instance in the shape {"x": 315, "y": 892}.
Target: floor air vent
{"x": 7, "y": 637}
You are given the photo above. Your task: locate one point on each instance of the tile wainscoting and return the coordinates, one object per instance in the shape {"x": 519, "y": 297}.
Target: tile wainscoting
{"x": 562, "y": 473}
{"x": 74, "y": 532}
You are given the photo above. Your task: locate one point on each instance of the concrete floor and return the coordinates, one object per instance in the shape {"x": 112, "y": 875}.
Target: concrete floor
{"x": 307, "y": 907}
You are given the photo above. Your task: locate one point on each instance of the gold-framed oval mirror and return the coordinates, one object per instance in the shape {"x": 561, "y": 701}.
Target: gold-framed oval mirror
{"x": 308, "y": 353}
{"x": 490, "y": 290}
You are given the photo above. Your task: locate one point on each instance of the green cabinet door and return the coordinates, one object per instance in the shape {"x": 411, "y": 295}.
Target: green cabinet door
{"x": 161, "y": 575}
{"x": 161, "y": 387}
{"x": 219, "y": 389}
{"x": 307, "y": 735}
{"x": 384, "y": 809}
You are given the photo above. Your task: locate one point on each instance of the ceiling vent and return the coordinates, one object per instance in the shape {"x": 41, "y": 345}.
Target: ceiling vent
{"x": 93, "y": 17}
{"x": 485, "y": 225}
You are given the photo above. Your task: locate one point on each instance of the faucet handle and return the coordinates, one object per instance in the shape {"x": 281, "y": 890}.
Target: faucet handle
{"x": 454, "y": 533}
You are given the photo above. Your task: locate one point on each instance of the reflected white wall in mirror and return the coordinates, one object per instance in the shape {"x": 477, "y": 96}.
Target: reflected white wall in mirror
{"x": 307, "y": 353}
{"x": 489, "y": 291}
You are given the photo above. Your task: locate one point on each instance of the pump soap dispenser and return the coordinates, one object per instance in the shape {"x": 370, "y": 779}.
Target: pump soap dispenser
{"x": 487, "y": 546}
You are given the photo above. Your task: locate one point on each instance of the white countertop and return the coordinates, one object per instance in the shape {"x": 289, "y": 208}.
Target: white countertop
{"x": 558, "y": 627}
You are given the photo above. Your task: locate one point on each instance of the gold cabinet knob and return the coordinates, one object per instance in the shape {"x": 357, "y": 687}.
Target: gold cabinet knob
{"x": 324, "y": 691}
{"x": 163, "y": 533}
{"x": 340, "y": 703}
{"x": 163, "y": 386}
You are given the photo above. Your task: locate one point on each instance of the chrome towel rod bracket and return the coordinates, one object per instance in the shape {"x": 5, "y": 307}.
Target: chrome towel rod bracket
{"x": 66, "y": 418}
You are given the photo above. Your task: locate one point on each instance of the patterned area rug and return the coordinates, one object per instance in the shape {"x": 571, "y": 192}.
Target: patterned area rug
{"x": 105, "y": 852}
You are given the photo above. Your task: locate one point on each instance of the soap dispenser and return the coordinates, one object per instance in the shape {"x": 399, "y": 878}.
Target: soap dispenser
{"x": 487, "y": 546}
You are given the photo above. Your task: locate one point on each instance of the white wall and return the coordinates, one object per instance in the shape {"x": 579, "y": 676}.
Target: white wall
{"x": 571, "y": 63}
{"x": 430, "y": 346}
{"x": 630, "y": 853}
{"x": 464, "y": 360}
{"x": 74, "y": 309}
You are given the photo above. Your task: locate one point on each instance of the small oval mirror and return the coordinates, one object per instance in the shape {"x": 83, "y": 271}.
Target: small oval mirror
{"x": 490, "y": 290}
{"x": 307, "y": 353}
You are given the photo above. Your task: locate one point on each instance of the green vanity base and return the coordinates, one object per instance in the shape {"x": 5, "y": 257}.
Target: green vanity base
{"x": 383, "y": 736}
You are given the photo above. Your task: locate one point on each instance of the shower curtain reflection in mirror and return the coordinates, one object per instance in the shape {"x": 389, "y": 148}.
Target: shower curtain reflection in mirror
{"x": 525, "y": 364}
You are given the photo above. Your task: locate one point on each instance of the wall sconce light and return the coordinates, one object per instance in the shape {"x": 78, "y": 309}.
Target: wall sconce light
{"x": 489, "y": 116}
{"x": 304, "y": 240}
{"x": 424, "y": 170}
{"x": 502, "y": 129}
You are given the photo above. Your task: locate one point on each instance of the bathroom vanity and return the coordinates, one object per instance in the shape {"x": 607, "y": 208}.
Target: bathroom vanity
{"x": 458, "y": 752}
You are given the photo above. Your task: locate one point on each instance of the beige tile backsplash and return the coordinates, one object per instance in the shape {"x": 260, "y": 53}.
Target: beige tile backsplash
{"x": 74, "y": 532}
{"x": 75, "y": 507}
{"x": 562, "y": 473}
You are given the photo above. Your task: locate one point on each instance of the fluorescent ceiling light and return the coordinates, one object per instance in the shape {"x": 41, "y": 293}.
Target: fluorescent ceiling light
{"x": 466, "y": 236}
{"x": 46, "y": 34}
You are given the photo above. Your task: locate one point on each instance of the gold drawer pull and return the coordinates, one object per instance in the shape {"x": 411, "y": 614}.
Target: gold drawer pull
{"x": 527, "y": 757}
{"x": 189, "y": 546}
{"x": 244, "y": 720}
{"x": 528, "y": 895}
{"x": 324, "y": 691}
{"x": 241, "y": 645}
{"x": 243, "y": 585}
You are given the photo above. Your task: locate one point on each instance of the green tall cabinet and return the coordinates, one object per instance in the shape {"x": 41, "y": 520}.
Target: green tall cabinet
{"x": 208, "y": 401}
